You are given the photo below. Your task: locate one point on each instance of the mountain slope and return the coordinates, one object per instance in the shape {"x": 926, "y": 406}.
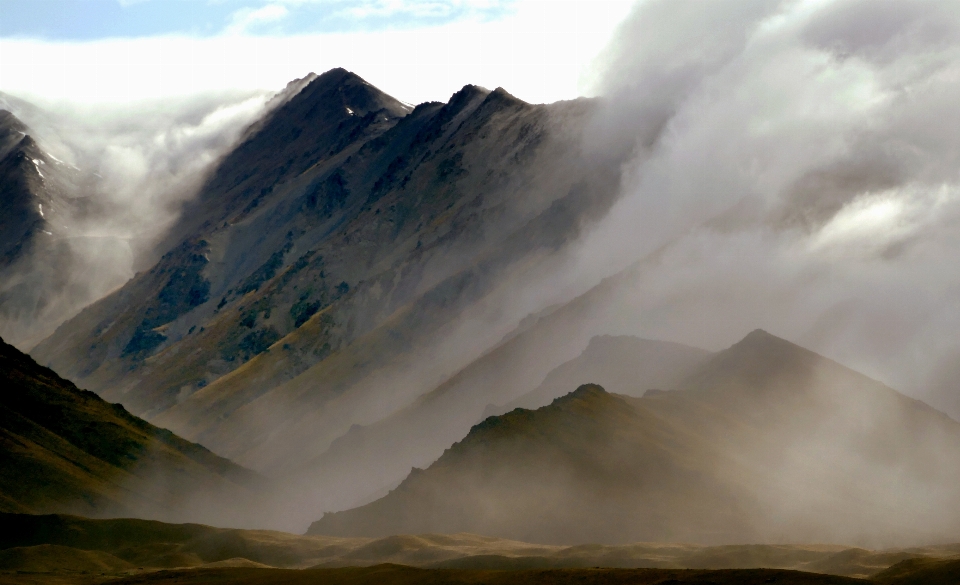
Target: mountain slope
{"x": 64, "y": 449}
{"x": 268, "y": 330}
{"x": 766, "y": 441}
{"x": 37, "y": 193}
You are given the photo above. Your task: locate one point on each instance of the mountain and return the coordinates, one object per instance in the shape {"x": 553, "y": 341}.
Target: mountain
{"x": 21, "y": 183}
{"x": 765, "y": 442}
{"x": 517, "y": 372}
{"x": 587, "y": 468}
{"x": 67, "y": 450}
{"x": 37, "y": 192}
{"x": 337, "y": 245}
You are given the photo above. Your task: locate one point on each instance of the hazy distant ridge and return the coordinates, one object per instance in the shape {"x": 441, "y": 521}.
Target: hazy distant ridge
{"x": 766, "y": 441}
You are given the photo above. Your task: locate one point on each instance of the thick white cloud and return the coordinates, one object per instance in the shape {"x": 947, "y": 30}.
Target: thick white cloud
{"x": 539, "y": 51}
{"x": 797, "y": 169}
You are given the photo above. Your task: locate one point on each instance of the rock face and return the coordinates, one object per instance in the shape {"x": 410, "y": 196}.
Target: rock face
{"x": 36, "y": 257}
{"x": 67, "y": 450}
{"x": 765, "y": 442}
{"x": 325, "y": 253}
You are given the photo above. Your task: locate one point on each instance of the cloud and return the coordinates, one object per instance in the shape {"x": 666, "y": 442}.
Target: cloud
{"x": 245, "y": 20}
{"x": 537, "y": 50}
{"x": 795, "y": 169}
{"x": 422, "y": 8}
{"x": 135, "y": 165}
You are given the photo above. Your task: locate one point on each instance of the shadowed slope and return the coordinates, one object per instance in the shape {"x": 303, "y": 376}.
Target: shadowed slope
{"x": 64, "y": 449}
{"x": 39, "y": 195}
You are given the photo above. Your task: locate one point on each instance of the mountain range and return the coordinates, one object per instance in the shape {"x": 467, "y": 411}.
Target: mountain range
{"x": 338, "y": 246}
{"x": 345, "y": 299}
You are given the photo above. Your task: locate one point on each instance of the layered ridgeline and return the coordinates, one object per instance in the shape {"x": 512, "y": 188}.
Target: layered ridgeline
{"x": 38, "y": 192}
{"x": 336, "y": 246}
{"x": 765, "y": 442}
{"x": 67, "y": 450}
{"x": 379, "y": 455}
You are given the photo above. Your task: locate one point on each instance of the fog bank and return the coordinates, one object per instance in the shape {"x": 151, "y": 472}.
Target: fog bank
{"x": 796, "y": 169}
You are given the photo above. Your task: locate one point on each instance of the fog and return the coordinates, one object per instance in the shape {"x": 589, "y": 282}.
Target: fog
{"x": 125, "y": 171}
{"x": 795, "y": 169}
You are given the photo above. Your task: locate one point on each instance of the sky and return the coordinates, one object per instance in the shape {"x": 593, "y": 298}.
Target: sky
{"x": 121, "y": 51}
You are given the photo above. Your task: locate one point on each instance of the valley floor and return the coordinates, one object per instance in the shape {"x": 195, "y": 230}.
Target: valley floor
{"x": 71, "y": 550}
{"x": 398, "y": 574}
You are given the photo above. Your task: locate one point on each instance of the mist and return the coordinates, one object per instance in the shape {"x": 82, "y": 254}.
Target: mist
{"x": 795, "y": 169}
{"x": 126, "y": 171}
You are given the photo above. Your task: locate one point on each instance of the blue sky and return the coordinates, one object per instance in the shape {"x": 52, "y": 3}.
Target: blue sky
{"x": 83, "y": 20}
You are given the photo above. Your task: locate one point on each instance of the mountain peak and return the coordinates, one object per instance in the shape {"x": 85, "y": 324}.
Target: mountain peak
{"x": 10, "y": 123}
{"x": 346, "y": 91}
{"x": 761, "y": 341}
{"x": 759, "y": 335}
{"x": 584, "y": 392}
{"x": 504, "y": 97}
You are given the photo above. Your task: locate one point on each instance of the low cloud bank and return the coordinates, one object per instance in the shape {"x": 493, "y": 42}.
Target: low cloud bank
{"x": 128, "y": 170}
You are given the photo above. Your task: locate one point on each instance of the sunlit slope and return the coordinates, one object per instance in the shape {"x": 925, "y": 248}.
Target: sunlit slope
{"x": 64, "y": 449}
{"x": 766, "y": 442}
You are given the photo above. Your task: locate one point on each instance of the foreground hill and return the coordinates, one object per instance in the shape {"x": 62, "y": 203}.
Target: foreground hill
{"x": 765, "y": 442}
{"x": 64, "y": 449}
{"x": 57, "y": 544}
